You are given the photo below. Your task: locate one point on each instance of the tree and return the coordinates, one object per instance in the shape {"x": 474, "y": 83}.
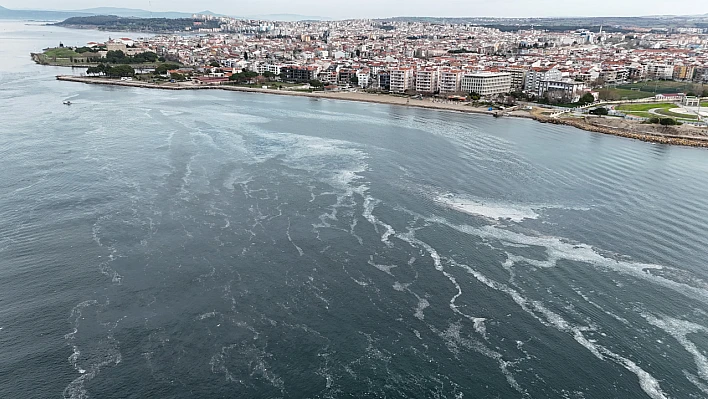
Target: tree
{"x": 121, "y": 71}
{"x": 177, "y": 76}
{"x": 354, "y": 80}
{"x": 316, "y": 83}
{"x": 215, "y": 64}
{"x": 599, "y": 111}
{"x": 268, "y": 75}
{"x": 587, "y": 98}
{"x": 668, "y": 122}
{"x": 475, "y": 96}
{"x": 163, "y": 68}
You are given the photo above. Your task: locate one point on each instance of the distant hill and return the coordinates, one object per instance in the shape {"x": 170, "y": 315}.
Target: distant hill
{"x": 38, "y": 15}
{"x": 131, "y": 12}
{"x": 49, "y": 15}
{"x": 288, "y": 17}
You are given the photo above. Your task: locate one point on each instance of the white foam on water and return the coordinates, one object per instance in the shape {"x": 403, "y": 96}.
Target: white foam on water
{"x": 545, "y": 316}
{"x": 489, "y": 210}
{"x": 680, "y": 330}
{"x": 422, "y": 305}
{"x": 410, "y": 238}
{"x": 454, "y": 340}
{"x": 561, "y": 249}
{"x": 396, "y": 286}
{"x": 299, "y": 250}
{"x": 384, "y": 268}
{"x": 369, "y": 206}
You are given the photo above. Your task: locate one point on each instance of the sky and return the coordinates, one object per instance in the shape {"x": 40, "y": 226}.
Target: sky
{"x": 390, "y": 8}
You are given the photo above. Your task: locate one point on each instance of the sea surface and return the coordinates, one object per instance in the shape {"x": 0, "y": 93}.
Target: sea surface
{"x": 221, "y": 245}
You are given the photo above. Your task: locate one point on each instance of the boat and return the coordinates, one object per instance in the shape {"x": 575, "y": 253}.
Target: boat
{"x": 67, "y": 102}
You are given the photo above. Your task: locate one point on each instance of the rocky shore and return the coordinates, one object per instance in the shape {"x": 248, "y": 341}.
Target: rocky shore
{"x": 667, "y": 135}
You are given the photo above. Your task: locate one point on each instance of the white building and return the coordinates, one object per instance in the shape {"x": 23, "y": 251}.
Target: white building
{"x": 363, "y": 78}
{"x": 661, "y": 71}
{"x": 568, "y": 89}
{"x": 487, "y": 83}
{"x": 426, "y": 81}
{"x": 450, "y": 81}
{"x": 402, "y": 79}
{"x": 535, "y": 76}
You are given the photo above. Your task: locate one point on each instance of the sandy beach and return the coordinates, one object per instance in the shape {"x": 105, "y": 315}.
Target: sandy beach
{"x": 679, "y": 135}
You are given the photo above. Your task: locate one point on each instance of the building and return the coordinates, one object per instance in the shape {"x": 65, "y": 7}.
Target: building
{"x": 535, "y": 76}
{"x": 568, "y": 90}
{"x": 690, "y": 101}
{"x": 383, "y": 80}
{"x": 402, "y": 79}
{"x": 660, "y": 71}
{"x": 684, "y": 72}
{"x": 518, "y": 77}
{"x": 294, "y": 73}
{"x": 426, "y": 81}
{"x": 362, "y": 76}
{"x": 450, "y": 81}
{"x": 487, "y": 83}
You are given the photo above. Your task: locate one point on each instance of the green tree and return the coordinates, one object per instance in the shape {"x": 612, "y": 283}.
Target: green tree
{"x": 668, "y": 122}
{"x": 215, "y": 64}
{"x": 587, "y": 98}
{"x": 316, "y": 84}
{"x": 354, "y": 80}
{"x": 163, "y": 68}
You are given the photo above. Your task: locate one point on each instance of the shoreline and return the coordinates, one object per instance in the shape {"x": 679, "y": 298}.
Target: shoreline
{"x": 583, "y": 124}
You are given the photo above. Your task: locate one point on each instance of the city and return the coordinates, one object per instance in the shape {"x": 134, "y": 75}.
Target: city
{"x": 425, "y": 58}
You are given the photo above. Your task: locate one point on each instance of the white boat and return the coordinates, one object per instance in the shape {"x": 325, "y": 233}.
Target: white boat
{"x": 67, "y": 102}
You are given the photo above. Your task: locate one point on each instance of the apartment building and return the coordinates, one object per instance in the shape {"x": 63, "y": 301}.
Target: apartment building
{"x": 684, "y": 72}
{"x": 426, "y": 81}
{"x": 487, "y": 83}
{"x": 535, "y": 76}
{"x": 450, "y": 81}
{"x": 518, "y": 77}
{"x": 660, "y": 71}
{"x": 402, "y": 79}
{"x": 363, "y": 77}
{"x": 296, "y": 73}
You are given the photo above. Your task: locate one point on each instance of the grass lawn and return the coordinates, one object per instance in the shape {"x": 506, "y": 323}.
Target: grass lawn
{"x": 644, "y": 107}
{"x": 663, "y": 86}
{"x": 677, "y": 115}
{"x": 627, "y": 94}
{"x": 61, "y": 52}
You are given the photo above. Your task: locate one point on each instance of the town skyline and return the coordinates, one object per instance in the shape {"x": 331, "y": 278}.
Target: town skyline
{"x": 370, "y": 9}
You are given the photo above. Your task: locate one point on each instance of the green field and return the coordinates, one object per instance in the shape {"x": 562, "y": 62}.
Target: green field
{"x": 676, "y": 115}
{"x": 623, "y": 94}
{"x": 61, "y": 52}
{"x": 644, "y": 106}
{"x": 664, "y": 86}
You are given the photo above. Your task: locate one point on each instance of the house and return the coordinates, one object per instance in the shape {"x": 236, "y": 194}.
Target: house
{"x": 673, "y": 97}
{"x": 690, "y": 101}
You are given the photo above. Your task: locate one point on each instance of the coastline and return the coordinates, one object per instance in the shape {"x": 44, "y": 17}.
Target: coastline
{"x": 670, "y": 137}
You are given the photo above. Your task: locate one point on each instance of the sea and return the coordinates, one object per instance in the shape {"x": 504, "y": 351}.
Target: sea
{"x": 208, "y": 244}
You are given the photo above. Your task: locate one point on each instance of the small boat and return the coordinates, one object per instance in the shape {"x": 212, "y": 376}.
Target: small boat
{"x": 67, "y": 102}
